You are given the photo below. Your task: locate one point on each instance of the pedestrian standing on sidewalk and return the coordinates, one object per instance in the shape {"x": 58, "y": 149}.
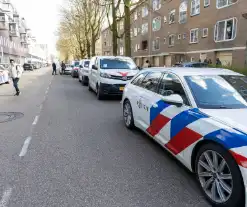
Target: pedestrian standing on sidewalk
{"x": 54, "y": 69}
{"x": 63, "y": 66}
{"x": 15, "y": 73}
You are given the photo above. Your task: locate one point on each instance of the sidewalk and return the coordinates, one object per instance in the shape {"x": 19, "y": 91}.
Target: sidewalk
{"x": 26, "y": 79}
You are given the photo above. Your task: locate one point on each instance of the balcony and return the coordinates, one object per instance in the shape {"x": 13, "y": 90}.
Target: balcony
{"x": 15, "y": 14}
{"x": 7, "y": 7}
{"x": 4, "y": 22}
{"x": 13, "y": 32}
{"x": 23, "y": 39}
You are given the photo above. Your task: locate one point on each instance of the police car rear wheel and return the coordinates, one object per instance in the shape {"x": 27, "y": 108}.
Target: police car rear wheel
{"x": 128, "y": 115}
{"x": 219, "y": 176}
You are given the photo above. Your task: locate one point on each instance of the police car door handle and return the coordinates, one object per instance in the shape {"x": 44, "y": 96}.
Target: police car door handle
{"x": 155, "y": 105}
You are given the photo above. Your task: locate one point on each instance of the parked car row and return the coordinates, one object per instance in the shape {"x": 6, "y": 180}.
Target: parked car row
{"x": 4, "y": 72}
{"x": 196, "y": 114}
{"x": 4, "y": 75}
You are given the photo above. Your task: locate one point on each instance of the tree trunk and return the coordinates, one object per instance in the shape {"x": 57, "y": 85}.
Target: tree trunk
{"x": 88, "y": 49}
{"x": 127, "y": 24}
{"x": 114, "y": 29}
{"x": 81, "y": 51}
{"x": 93, "y": 45}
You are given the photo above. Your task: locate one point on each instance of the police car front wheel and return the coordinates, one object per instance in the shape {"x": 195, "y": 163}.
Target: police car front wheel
{"x": 219, "y": 176}
{"x": 128, "y": 115}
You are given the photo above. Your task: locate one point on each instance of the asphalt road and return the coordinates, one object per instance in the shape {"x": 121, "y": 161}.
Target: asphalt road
{"x": 71, "y": 150}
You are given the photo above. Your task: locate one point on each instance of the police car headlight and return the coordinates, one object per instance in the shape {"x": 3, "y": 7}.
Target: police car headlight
{"x": 105, "y": 75}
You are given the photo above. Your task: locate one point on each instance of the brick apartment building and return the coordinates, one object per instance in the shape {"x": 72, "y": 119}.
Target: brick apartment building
{"x": 16, "y": 40}
{"x": 171, "y": 31}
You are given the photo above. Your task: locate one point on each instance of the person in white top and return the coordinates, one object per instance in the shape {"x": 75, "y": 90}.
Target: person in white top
{"x": 15, "y": 73}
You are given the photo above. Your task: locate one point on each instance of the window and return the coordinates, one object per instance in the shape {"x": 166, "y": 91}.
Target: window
{"x": 204, "y": 32}
{"x": 156, "y": 4}
{"x": 179, "y": 37}
{"x": 156, "y": 44}
{"x": 156, "y": 25}
{"x": 206, "y": 3}
{"x": 144, "y": 11}
{"x": 121, "y": 50}
{"x": 225, "y": 30}
{"x": 138, "y": 46}
{"x": 164, "y": 40}
{"x": 169, "y": 85}
{"x": 195, "y": 7}
{"x": 144, "y": 45}
{"x": 165, "y": 19}
{"x": 172, "y": 16}
{"x": 138, "y": 30}
{"x": 171, "y": 40}
{"x": 184, "y": 36}
{"x": 194, "y": 36}
{"x": 183, "y": 12}
{"x": 144, "y": 28}
{"x": 224, "y": 3}
{"x": 86, "y": 64}
{"x": 219, "y": 92}
{"x": 135, "y": 31}
{"x": 135, "y": 15}
{"x": 138, "y": 80}
{"x": 151, "y": 81}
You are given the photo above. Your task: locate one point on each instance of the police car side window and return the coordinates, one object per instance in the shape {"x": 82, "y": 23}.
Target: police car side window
{"x": 137, "y": 81}
{"x": 169, "y": 85}
{"x": 151, "y": 81}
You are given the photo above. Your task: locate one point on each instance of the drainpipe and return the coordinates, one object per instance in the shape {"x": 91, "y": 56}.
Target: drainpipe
{"x": 150, "y": 31}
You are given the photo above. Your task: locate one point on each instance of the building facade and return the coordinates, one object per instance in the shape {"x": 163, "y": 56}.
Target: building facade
{"x": 16, "y": 40}
{"x": 98, "y": 47}
{"x": 167, "y": 32}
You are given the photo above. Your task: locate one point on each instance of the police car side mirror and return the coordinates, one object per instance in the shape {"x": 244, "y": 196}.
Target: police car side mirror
{"x": 94, "y": 67}
{"x": 173, "y": 99}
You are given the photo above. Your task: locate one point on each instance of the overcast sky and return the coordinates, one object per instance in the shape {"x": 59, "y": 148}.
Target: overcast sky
{"x": 42, "y": 17}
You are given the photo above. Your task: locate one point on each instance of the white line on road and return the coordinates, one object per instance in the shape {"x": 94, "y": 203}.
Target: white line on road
{"x": 5, "y": 198}
{"x": 35, "y": 120}
{"x": 25, "y": 146}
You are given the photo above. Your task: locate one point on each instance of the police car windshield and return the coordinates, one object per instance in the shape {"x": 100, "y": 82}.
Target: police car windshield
{"x": 86, "y": 63}
{"x": 76, "y": 63}
{"x": 219, "y": 92}
{"x": 117, "y": 63}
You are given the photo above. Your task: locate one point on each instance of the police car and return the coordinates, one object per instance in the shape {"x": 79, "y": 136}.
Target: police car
{"x": 108, "y": 75}
{"x": 200, "y": 117}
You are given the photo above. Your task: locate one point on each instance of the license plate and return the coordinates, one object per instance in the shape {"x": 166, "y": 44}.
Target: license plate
{"x": 121, "y": 88}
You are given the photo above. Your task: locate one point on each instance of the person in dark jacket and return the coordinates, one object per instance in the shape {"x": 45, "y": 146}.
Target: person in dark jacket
{"x": 63, "y": 66}
{"x": 54, "y": 69}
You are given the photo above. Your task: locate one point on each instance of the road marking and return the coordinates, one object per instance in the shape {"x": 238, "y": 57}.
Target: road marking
{"x": 25, "y": 147}
{"x": 35, "y": 120}
{"x": 5, "y": 198}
